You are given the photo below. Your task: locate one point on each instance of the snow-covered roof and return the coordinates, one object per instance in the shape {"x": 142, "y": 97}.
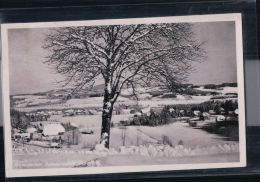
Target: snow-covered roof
{"x": 69, "y": 111}
{"x": 196, "y": 112}
{"x": 53, "y": 129}
{"x": 31, "y": 130}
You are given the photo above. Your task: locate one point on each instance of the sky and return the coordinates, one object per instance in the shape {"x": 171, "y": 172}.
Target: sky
{"x": 29, "y": 74}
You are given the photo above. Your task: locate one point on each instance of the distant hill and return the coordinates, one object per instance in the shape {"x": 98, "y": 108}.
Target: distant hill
{"x": 67, "y": 93}
{"x": 98, "y": 91}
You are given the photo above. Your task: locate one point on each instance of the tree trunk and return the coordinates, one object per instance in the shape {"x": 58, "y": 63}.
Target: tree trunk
{"x": 105, "y": 130}
{"x": 106, "y": 117}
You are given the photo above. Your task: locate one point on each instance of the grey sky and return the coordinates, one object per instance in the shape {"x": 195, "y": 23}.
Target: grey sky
{"x": 220, "y": 47}
{"x": 29, "y": 74}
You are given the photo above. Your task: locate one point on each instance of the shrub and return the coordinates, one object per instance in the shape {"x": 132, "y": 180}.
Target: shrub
{"x": 156, "y": 93}
{"x": 191, "y": 91}
{"x": 180, "y": 142}
{"x": 195, "y": 86}
{"x": 171, "y": 95}
{"x": 96, "y": 95}
{"x": 165, "y": 116}
{"x": 231, "y": 94}
{"x": 210, "y": 86}
{"x": 132, "y": 111}
{"x": 112, "y": 125}
{"x": 154, "y": 119}
{"x": 166, "y": 140}
{"x": 229, "y": 105}
{"x": 19, "y": 120}
{"x": 193, "y": 124}
{"x": 228, "y": 85}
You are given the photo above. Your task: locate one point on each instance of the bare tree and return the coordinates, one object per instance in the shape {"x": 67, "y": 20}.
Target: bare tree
{"x": 123, "y": 56}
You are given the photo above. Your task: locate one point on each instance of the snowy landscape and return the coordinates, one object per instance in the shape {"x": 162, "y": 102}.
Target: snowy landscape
{"x": 182, "y": 140}
{"x": 124, "y": 95}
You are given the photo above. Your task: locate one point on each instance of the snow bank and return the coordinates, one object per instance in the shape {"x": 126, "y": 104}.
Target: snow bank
{"x": 100, "y": 156}
{"x": 91, "y": 163}
{"x": 176, "y": 151}
{"x": 150, "y": 150}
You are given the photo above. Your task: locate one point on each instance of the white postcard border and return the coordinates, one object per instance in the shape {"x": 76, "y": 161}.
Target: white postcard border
{"x": 10, "y": 172}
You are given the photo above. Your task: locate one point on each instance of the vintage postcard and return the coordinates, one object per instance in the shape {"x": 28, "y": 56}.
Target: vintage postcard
{"x": 123, "y": 95}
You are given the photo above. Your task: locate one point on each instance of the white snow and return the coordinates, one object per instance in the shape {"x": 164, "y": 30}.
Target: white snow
{"x": 131, "y": 144}
{"x": 52, "y": 129}
{"x": 31, "y": 100}
{"x": 223, "y": 90}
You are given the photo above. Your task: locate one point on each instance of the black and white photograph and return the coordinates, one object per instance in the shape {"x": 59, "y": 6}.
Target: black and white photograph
{"x": 123, "y": 95}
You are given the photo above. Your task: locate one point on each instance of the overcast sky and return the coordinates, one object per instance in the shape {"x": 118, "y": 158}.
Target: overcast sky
{"x": 29, "y": 74}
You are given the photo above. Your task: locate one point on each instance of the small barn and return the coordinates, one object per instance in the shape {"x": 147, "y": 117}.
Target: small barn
{"x": 71, "y": 134}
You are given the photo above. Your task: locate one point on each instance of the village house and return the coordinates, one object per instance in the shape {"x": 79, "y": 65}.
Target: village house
{"x": 196, "y": 112}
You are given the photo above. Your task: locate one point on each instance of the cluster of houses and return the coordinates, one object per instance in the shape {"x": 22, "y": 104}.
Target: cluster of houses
{"x": 197, "y": 115}
{"x": 188, "y": 115}
{"x": 45, "y": 115}
{"x": 54, "y": 133}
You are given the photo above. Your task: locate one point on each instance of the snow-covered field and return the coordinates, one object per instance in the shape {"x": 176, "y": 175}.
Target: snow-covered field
{"x": 97, "y": 102}
{"x": 143, "y": 145}
{"x": 33, "y": 100}
{"x": 175, "y": 143}
{"x": 223, "y": 90}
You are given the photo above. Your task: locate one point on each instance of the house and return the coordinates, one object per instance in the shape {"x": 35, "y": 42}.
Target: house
{"x": 69, "y": 112}
{"x": 31, "y": 130}
{"x": 212, "y": 112}
{"x": 171, "y": 110}
{"x": 80, "y": 112}
{"x": 52, "y": 129}
{"x": 222, "y": 110}
{"x": 182, "y": 112}
{"x": 220, "y": 118}
{"x": 206, "y": 115}
{"x": 72, "y": 134}
{"x": 138, "y": 114}
{"x": 196, "y": 112}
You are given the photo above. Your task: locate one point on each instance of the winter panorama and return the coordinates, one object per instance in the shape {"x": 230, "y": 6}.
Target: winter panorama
{"x": 123, "y": 95}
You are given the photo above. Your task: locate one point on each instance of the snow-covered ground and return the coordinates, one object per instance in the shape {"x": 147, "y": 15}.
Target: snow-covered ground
{"x": 29, "y": 103}
{"x": 33, "y": 100}
{"x": 143, "y": 145}
{"x": 223, "y": 90}
{"x": 125, "y": 156}
{"x": 97, "y": 102}
{"x": 175, "y": 143}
